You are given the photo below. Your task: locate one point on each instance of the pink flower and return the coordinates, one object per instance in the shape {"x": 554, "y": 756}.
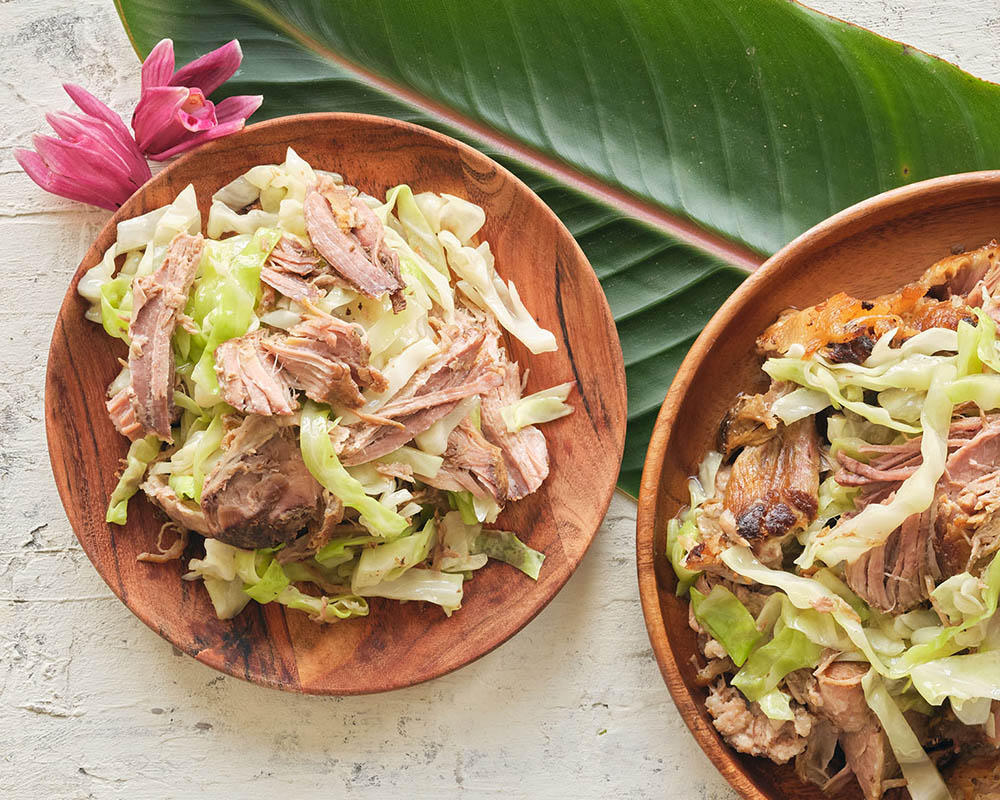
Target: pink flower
{"x": 95, "y": 159}
{"x": 174, "y": 113}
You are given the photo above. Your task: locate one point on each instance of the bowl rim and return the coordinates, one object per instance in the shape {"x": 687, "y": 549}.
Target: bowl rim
{"x": 856, "y": 217}
{"x": 616, "y": 373}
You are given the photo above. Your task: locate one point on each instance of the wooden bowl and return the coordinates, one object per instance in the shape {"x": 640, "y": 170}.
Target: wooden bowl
{"x": 397, "y": 645}
{"x": 873, "y": 247}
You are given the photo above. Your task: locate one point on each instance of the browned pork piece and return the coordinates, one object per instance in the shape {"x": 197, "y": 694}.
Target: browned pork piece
{"x": 251, "y": 379}
{"x": 751, "y": 420}
{"x": 333, "y": 225}
{"x": 773, "y": 488}
{"x": 471, "y": 464}
{"x": 749, "y": 730}
{"x": 524, "y": 452}
{"x": 157, "y": 299}
{"x": 848, "y": 327}
{"x": 260, "y": 493}
{"x": 320, "y": 531}
{"x": 464, "y": 368}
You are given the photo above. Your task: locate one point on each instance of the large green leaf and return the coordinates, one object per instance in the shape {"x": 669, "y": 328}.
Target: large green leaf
{"x": 680, "y": 141}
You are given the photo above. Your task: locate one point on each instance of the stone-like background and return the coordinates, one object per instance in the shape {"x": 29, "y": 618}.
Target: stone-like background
{"x": 93, "y": 704}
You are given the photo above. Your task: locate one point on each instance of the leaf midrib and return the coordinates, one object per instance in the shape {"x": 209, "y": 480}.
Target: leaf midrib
{"x": 678, "y": 227}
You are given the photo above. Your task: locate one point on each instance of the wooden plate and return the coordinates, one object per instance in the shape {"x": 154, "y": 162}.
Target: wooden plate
{"x": 397, "y": 645}
{"x": 873, "y": 247}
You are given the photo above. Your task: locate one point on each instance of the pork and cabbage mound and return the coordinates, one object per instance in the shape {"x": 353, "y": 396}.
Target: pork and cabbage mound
{"x": 318, "y": 385}
{"x": 840, "y": 546}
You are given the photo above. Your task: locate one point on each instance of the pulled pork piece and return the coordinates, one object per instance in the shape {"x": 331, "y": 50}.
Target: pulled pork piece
{"x": 716, "y": 528}
{"x": 524, "y": 453}
{"x": 747, "y": 729}
{"x": 774, "y": 487}
{"x": 291, "y": 256}
{"x": 122, "y": 414}
{"x": 321, "y": 530}
{"x": 186, "y": 514}
{"x": 287, "y": 265}
{"x": 328, "y": 359}
{"x": 471, "y": 464}
{"x": 332, "y": 224}
{"x": 891, "y": 464}
{"x": 839, "y": 698}
{"x": 848, "y": 327}
{"x": 893, "y": 577}
{"x": 976, "y": 776}
{"x": 463, "y": 368}
{"x": 312, "y": 367}
{"x": 812, "y": 765}
{"x": 157, "y": 300}
{"x": 371, "y": 234}
{"x": 250, "y": 378}
{"x": 967, "y": 525}
{"x": 289, "y": 285}
{"x": 260, "y": 493}
{"x": 751, "y": 421}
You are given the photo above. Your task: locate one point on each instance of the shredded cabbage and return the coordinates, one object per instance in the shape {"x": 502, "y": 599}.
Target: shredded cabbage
{"x": 481, "y": 284}
{"x": 140, "y": 453}
{"x": 543, "y": 406}
{"x": 388, "y": 561}
{"x": 458, "y": 542}
{"x": 450, "y": 213}
{"x": 850, "y": 538}
{"x": 788, "y": 651}
{"x": 799, "y": 404}
{"x": 923, "y": 781}
{"x": 777, "y": 705}
{"x": 727, "y": 620}
{"x": 822, "y": 378}
{"x": 806, "y": 594}
{"x": 441, "y": 588}
{"x": 321, "y": 460}
{"x": 505, "y": 546}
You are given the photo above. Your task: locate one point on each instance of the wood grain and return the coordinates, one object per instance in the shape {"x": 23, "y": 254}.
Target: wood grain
{"x": 873, "y": 247}
{"x": 397, "y": 645}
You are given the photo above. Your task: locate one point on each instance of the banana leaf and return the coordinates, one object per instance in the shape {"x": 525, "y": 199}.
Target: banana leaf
{"x": 681, "y": 142}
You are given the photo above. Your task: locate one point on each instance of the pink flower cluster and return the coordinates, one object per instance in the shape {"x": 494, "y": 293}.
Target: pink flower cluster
{"x": 97, "y": 160}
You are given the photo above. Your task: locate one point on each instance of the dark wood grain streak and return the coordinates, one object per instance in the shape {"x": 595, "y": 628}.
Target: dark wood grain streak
{"x": 873, "y": 247}
{"x": 396, "y": 645}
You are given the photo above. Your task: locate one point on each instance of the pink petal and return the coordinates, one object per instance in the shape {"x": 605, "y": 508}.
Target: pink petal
{"x": 193, "y": 140}
{"x": 238, "y": 107}
{"x": 127, "y": 147}
{"x": 93, "y": 107}
{"x": 156, "y": 114}
{"x": 158, "y": 68}
{"x": 85, "y": 166}
{"x": 212, "y": 70}
{"x": 197, "y": 113}
{"x": 36, "y": 169}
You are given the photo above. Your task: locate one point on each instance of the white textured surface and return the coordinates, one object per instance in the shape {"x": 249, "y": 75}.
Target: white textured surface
{"x": 93, "y": 704}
